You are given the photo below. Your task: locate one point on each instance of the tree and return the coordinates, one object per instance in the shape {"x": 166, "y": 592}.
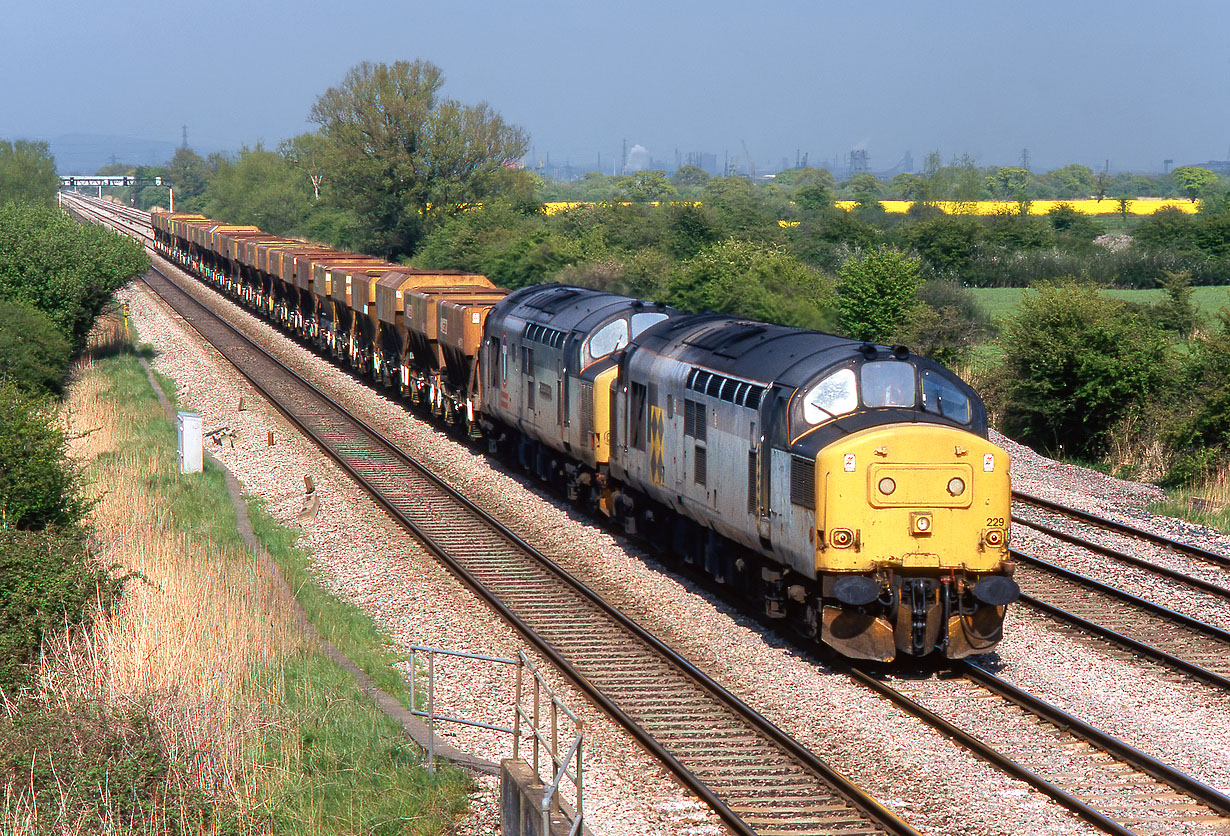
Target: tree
{"x": 646, "y": 186}
{"x": 1009, "y": 182}
{"x": 1193, "y": 181}
{"x": 1066, "y": 220}
{"x": 746, "y": 279}
{"x": 27, "y": 172}
{"x": 1169, "y": 228}
{"x": 864, "y": 186}
{"x": 189, "y": 175}
{"x": 690, "y": 175}
{"x": 1074, "y": 362}
{"x": 38, "y": 487}
{"x": 309, "y": 154}
{"x": 947, "y": 242}
{"x": 34, "y": 354}
{"x": 65, "y": 269}
{"x": 1073, "y": 180}
{"x": 876, "y": 293}
{"x": 262, "y": 188}
{"x": 404, "y": 159}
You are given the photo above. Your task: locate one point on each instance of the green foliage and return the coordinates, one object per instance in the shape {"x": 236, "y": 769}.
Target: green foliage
{"x": 38, "y": 487}
{"x": 947, "y": 325}
{"x": 1019, "y": 232}
{"x": 34, "y": 354}
{"x": 689, "y": 229}
{"x": 739, "y": 209}
{"x": 1074, "y": 361}
{"x": 1072, "y": 181}
{"x": 105, "y": 770}
{"x": 1177, "y": 312}
{"x": 189, "y": 175}
{"x": 825, "y": 239}
{"x": 876, "y": 292}
{"x": 27, "y": 173}
{"x": 1166, "y": 229}
{"x": 261, "y": 188}
{"x": 690, "y": 175}
{"x": 946, "y": 242}
{"x": 646, "y": 186}
{"x": 1193, "y": 181}
{"x": 1200, "y": 433}
{"x": 745, "y": 279}
{"x": 1077, "y": 226}
{"x": 402, "y": 158}
{"x": 47, "y": 581}
{"x": 65, "y": 269}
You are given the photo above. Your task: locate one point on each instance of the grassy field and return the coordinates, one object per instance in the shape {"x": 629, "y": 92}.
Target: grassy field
{"x": 230, "y": 722}
{"x": 1001, "y": 302}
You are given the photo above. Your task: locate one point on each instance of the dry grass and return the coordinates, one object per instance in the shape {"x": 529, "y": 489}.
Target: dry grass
{"x": 197, "y": 641}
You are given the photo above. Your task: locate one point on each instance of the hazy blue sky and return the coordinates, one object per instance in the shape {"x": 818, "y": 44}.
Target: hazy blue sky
{"x": 1130, "y": 81}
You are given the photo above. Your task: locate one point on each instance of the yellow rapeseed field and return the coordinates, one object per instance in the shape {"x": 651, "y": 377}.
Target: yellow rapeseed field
{"x": 1090, "y": 206}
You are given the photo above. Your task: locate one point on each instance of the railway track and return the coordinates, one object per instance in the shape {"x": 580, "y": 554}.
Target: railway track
{"x": 753, "y": 779}
{"x": 757, "y": 778}
{"x": 1111, "y": 785}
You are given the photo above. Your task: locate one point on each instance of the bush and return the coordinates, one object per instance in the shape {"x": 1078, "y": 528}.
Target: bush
{"x": 67, "y": 270}
{"x": 876, "y": 293}
{"x": 1074, "y": 361}
{"x": 104, "y": 770}
{"x": 764, "y": 283}
{"x": 34, "y": 355}
{"x": 1200, "y": 435}
{"x": 1078, "y": 226}
{"x": 1166, "y": 229}
{"x": 946, "y": 242}
{"x": 47, "y": 581}
{"x": 947, "y": 325}
{"x": 39, "y": 488}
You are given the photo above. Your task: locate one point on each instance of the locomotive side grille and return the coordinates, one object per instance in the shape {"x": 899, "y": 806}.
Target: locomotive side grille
{"x": 587, "y": 409}
{"x": 694, "y": 419}
{"x": 702, "y": 466}
{"x": 803, "y": 481}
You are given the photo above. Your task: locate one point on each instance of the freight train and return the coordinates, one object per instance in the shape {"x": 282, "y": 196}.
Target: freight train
{"x": 845, "y": 487}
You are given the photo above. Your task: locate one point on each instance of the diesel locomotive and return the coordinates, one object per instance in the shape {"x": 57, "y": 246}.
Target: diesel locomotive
{"x": 845, "y": 487}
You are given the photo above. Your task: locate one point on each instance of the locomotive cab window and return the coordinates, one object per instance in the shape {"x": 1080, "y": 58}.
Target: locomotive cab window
{"x": 641, "y": 321}
{"x": 834, "y": 395}
{"x": 941, "y": 396}
{"x": 607, "y": 340}
{"x": 887, "y": 383}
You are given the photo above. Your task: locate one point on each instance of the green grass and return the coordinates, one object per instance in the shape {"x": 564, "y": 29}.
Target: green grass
{"x": 1002, "y": 302}
{"x": 1177, "y": 504}
{"x": 341, "y": 766}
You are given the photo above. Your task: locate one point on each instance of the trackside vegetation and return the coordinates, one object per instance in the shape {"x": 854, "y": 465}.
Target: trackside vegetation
{"x": 194, "y": 712}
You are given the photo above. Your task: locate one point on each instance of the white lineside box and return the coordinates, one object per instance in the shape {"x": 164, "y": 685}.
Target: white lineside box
{"x": 191, "y": 454}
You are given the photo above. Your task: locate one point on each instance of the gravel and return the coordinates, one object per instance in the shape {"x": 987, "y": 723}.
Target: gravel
{"x": 933, "y": 784}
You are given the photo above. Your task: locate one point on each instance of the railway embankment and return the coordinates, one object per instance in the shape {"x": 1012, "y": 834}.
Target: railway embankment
{"x": 195, "y": 703}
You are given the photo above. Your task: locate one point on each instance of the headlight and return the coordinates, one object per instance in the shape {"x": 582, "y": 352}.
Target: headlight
{"x": 887, "y": 486}
{"x": 956, "y": 486}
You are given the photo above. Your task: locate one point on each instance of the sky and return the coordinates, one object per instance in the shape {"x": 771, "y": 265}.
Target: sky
{"x": 1128, "y": 83}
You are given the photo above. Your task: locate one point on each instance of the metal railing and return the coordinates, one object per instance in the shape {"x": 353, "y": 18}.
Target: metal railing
{"x": 544, "y": 740}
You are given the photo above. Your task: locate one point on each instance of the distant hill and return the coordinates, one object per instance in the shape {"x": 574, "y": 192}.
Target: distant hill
{"x": 86, "y": 153}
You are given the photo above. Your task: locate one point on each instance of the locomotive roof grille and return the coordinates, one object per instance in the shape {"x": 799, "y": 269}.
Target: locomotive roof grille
{"x": 738, "y": 392}
{"x": 553, "y": 337}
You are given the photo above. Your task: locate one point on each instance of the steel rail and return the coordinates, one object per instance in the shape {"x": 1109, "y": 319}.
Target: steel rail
{"x": 1146, "y": 763}
{"x": 1139, "y": 562}
{"x": 1124, "y": 528}
{"x": 986, "y": 752}
{"x": 1127, "y": 597}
